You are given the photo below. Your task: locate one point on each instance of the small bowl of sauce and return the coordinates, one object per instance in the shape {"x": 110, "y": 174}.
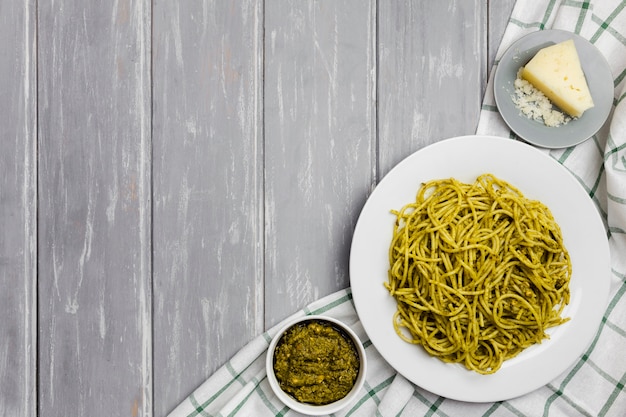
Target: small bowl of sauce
{"x": 316, "y": 365}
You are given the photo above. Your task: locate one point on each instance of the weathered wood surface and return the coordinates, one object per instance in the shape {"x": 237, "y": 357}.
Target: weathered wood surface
{"x": 178, "y": 177}
{"x": 18, "y": 210}
{"x": 320, "y": 127}
{"x": 207, "y": 189}
{"x": 94, "y": 208}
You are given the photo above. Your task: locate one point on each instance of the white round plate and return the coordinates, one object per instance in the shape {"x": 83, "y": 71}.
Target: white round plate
{"x": 539, "y": 177}
{"x": 599, "y": 79}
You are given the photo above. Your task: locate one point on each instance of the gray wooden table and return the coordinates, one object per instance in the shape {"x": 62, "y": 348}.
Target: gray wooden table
{"x": 178, "y": 176}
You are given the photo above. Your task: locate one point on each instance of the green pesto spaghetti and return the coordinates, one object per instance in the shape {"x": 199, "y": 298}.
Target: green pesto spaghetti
{"x": 478, "y": 271}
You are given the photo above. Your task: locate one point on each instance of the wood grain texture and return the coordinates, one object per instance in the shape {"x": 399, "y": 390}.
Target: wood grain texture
{"x": 208, "y": 173}
{"x": 18, "y": 210}
{"x": 499, "y": 14}
{"x": 432, "y": 74}
{"x": 320, "y": 126}
{"x": 94, "y": 208}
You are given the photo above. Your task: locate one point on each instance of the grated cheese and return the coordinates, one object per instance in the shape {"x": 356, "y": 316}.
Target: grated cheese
{"x": 535, "y": 105}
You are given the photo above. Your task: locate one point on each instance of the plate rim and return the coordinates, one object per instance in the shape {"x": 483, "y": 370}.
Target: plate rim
{"x": 449, "y": 390}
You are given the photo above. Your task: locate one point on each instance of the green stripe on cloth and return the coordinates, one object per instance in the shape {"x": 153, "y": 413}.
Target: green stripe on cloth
{"x": 565, "y": 155}
{"x": 270, "y": 405}
{"x": 494, "y": 407}
{"x": 548, "y": 14}
{"x": 616, "y": 328}
{"x": 594, "y": 188}
{"x": 526, "y": 25}
{"x": 199, "y": 411}
{"x": 199, "y": 408}
{"x": 621, "y": 200}
{"x": 584, "y": 8}
{"x": 558, "y": 391}
{"x": 489, "y": 107}
{"x": 434, "y": 408}
{"x": 622, "y": 276}
{"x": 604, "y": 25}
{"x": 373, "y": 392}
{"x": 571, "y": 402}
{"x": 508, "y": 406}
{"x": 236, "y": 375}
{"x": 324, "y": 309}
{"x": 619, "y": 78}
{"x": 616, "y": 230}
{"x": 370, "y": 394}
{"x": 619, "y": 389}
{"x": 599, "y": 369}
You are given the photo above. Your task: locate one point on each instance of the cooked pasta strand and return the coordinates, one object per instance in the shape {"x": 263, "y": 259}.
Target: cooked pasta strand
{"x": 478, "y": 271}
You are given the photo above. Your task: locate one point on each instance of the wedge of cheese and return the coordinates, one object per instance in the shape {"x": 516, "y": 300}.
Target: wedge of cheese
{"x": 557, "y": 73}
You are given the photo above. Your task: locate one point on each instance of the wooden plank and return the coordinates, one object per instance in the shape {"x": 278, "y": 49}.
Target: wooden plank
{"x": 320, "y": 127}
{"x": 94, "y": 200}
{"x": 431, "y": 78}
{"x": 208, "y": 191}
{"x": 499, "y": 14}
{"x": 18, "y": 210}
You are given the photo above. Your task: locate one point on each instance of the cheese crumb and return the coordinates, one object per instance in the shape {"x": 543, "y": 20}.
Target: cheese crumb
{"x": 535, "y": 105}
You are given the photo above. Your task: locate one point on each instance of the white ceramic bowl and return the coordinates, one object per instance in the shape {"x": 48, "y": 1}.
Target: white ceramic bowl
{"x": 310, "y": 409}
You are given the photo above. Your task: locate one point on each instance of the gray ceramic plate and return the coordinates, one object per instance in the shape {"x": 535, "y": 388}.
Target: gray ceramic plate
{"x": 599, "y": 79}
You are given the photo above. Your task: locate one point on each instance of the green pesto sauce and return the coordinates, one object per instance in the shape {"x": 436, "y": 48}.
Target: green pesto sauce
{"x": 316, "y": 363}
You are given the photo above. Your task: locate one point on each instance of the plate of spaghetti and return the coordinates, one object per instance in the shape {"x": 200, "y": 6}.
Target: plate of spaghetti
{"x": 479, "y": 268}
